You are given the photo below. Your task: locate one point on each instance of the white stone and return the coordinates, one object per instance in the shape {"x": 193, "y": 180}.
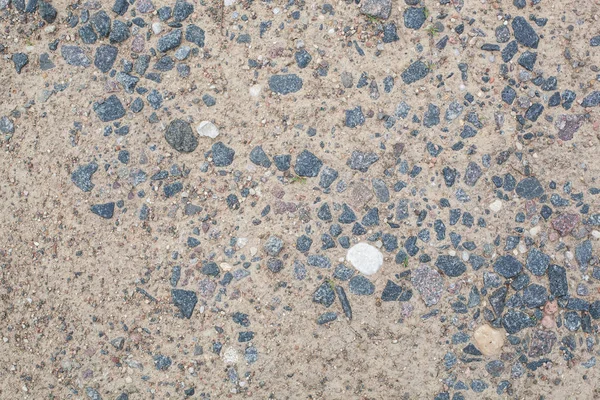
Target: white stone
{"x": 229, "y": 3}
{"x": 208, "y": 129}
{"x": 255, "y": 90}
{"x": 156, "y": 28}
{"x": 365, "y": 258}
{"x": 230, "y": 356}
{"x": 496, "y": 206}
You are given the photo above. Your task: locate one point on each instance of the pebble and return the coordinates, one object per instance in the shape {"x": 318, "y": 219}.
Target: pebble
{"x": 429, "y": 284}
{"x": 415, "y": 72}
{"x": 105, "y": 210}
{"x": 195, "y": 34}
{"x": 109, "y": 109}
{"x": 376, "y": 8}
{"x": 207, "y": 129}
{"x": 307, "y": 164}
{"x": 508, "y": 266}
{"x": 414, "y": 17}
{"x": 366, "y": 258}
{"x": 285, "y": 84}
{"x": 82, "y": 176}
{"x": 324, "y": 294}
{"x": 185, "y": 301}
{"x": 105, "y": 57}
{"x": 169, "y": 41}
{"x": 451, "y": 266}
{"x": 361, "y": 286}
{"x": 524, "y": 33}
{"x": 222, "y": 155}
{"x": 74, "y": 55}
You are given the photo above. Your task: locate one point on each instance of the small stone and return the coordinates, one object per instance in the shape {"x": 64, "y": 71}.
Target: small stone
{"x": 527, "y": 60}
{"x": 120, "y": 7}
{"x": 101, "y": 23}
{"x": 20, "y": 60}
{"x": 376, "y": 8}
{"x": 354, "y": 117}
{"x": 414, "y": 17}
{"x": 361, "y": 286}
{"x": 542, "y": 343}
{"x": 591, "y": 100}
{"x": 529, "y": 188}
{"x": 185, "y": 301}
{"x": 259, "y": 157}
{"x": 565, "y": 223}
{"x": 307, "y": 164}
{"x": 508, "y": 266}
{"x": 105, "y": 57}
{"x": 194, "y": 34}
{"x": 391, "y": 292}
{"x": 537, "y": 262}
{"x": 535, "y": 296}
{"x": 557, "y": 276}
{"x": 431, "y": 116}
{"x": 162, "y": 363}
{"x": 6, "y": 126}
{"x": 524, "y": 33}
{"x": 207, "y": 129}
{"x": 514, "y": 321}
{"x": 509, "y": 51}
{"x": 285, "y": 84}
{"x": 303, "y": 58}
{"x": 182, "y": 10}
{"x": 105, "y": 210}
{"x": 283, "y": 162}
{"x": 361, "y": 161}
{"x": 472, "y": 174}
{"x": 416, "y": 71}
{"x": 82, "y": 176}
{"x": 583, "y": 253}
{"x": 222, "y": 155}
{"x": 324, "y": 294}
{"x": 328, "y": 176}
{"x": 109, "y": 109}
{"x": 534, "y": 112}
{"x": 180, "y": 136}
{"x": 451, "y": 266}
{"x": 74, "y": 55}
{"x": 119, "y": 32}
{"x": 365, "y": 258}
{"x": 169, "y": 41}
{"x": 488, "y": 340}
{"x": 429, "y": 283}
{"x": 327, "y": 317}
{"x": 273, "y": 246}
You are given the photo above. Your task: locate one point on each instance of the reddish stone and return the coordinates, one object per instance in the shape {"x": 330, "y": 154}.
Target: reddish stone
{"x": 565, "y": 223}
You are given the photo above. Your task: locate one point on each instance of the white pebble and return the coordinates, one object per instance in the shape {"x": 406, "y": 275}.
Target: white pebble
{"x": 157, "y": 28}
{"x": 365, "y": 258}
{"x": 496, "y": 206}
{"x": 207, "y": 129}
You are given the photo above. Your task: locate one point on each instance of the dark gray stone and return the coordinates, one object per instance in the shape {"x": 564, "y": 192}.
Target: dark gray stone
{"x": 120, "y": 7}
{"x": 514, "y": 321}
{"x": 391, "y": 292}
{"x": 169, "y": 41}
{"x": 524, "y": 33}
{"x": 109, "y": 109}
{"x": 591, "y": 100}
{"x": 472, "y": 174}
{"x": 361, "y": 286}
{"x": 273, "y": 246}
{"x": 303, "y": 58}
{"x": 557, "y": 276}
{"x": 285, "y": 84}
{"x": 324, "y": 294}
{"x": 583, "y": 253}
{"x": 527, "y": 60}
{"x": 185, "y": 301}
{"x": 508, "y": 266}
{"x": 451, "y": 266}
{"x": 101, "y": 23}
{"x": 119, "y": 32}
{"x": 415, "y": 72}
{"x": 431, "y": 116}
{"x": 182, "y": 10}
{"x": 259, "y": 157}
{"x": 328, "y": 176}
{"x": 74, "y": 55}
{"x": 82, "y": 176}
{"x": 327, "y": 317}
{"x": 537, "y": 262}
{"x": 529, "y": 188}
{"x": 509, "y": 51}
{"x": 354, "y": 117}
{"x": 283, "y": 162}
{"x": 414, "y": 17}
{"x": 222, "y": 155}
{"x": 195, "y": 34}
{"x": 307, "y": 164}
{"x": 162, "y": 363}
{"x": 20, "y": 60}
{"x": 105, "y": 210}
{"x": 105, "y": 57}
{"x": 47, "y": 12}
{"x": 361, "y": 161}
{"x": 535, "y": 296}
{"x": 87, "y": 34}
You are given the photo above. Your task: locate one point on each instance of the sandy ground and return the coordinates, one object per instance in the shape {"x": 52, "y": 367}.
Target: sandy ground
{"x": 69, "y": 279}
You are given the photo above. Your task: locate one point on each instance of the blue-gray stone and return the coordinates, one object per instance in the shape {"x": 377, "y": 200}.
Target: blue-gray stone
{"x": 285, "y": 84}
{"x": 182, "y": 10}
{"x": 324, "y": 294}
{"x": 303, "y": 243}
{"x": 307, "y": 164}
{"x": 451, "y": 266}
{"x": 572, "y": 321}
{"x": 119, "y": 32}
{"x": 327, "y": 317}
{"x": 101, "y": 23}
{"x": 259, "y": 157}
{"x": 509, "y": 51}
{"x": 391, "y": 292}
{"x": 120, "y": 7}
{"x": 303, "y": 58}
{"x": 557, "y": 276}
{"x": 82, "y": 176}
{"x": 354, "y": 117}
{"x": 105, "y": 57}
{"x": 180, "y": 136}
{"x": 20, "y": 60}
{"x": 361, "y": 161}
{"x": 283, "y": 162}
{"x": 583, "y": 253}
{"x": 343, "y": 273}
{"x": 534, "y": 111}
{"x": 195, "y": 34}
{"x": 105, "y": 210}
{"x": 169, "y": 41}
{"x": 591, "y": 100}
{"x": 416, "y": 71}
{"x": 87, "y": 34}
{"x": 414, "y": 17}
{"x": 328, "y": 176}
{"x": 529, "y": 188}
{"x": 514, "y": 321}
{"x": 431, "y": 116}
{"x": 535, "y": 296}
{"x": 222, "y": 155}
{"x": 537, "y": 262}
{"x": 507, "y": 266}
{"x": 110, "y": 109}
{"x": 74, "y": 55}
{"x": 162, "y": 363}
{"x": 361, "y": 286}
{"x": 185, "y": 301}
{"x": 524, "y": 33}
{"x": 347, "y": 216}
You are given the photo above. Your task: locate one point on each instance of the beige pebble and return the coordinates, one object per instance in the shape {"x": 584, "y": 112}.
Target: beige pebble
{"x": 488, "y": 340}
